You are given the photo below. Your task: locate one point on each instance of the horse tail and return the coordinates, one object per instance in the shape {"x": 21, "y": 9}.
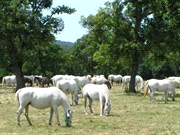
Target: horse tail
{"x": 146, "y": 89}
{"x": 3, "y": 82}
{"x": 17, "y": 96}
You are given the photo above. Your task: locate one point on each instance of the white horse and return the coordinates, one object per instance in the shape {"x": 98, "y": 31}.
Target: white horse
{"x": 173, "y": 78}
{"x": 69, "y": 86}
{"x": 8, "y": 80}
{"x": 97, "y": 92}
{"x": 42, "y": 98}
{"x": 138, "y": 81}
{"x": 165, "y": 86}
{"x": 98, "y": 79}
{"x": 125, "y": 82}
{"x": 89, "y": 77}
{"x": 81, "y": 81}
{"x": 115, "y": 78}
{"x": 56, "y": 78}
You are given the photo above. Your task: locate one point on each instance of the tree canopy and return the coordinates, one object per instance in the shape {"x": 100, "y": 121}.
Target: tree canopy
{"x": 125, "y": 37}
{"x": 26, "y": 32}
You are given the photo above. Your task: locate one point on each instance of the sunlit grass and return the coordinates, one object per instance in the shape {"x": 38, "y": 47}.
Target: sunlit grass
{"x": 130, "y": 115}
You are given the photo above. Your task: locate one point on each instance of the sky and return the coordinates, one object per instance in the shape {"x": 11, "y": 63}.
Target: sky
{"x": 72, "y": 28}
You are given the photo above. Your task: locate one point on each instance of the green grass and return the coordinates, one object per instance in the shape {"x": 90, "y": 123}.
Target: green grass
{"x": 129, "y": 115}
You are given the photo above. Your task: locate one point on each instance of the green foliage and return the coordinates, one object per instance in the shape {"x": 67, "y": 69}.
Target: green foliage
{"x": 103, "y": 55}
{"x": 27, "y": 36}
{"x": 124, "y": 36}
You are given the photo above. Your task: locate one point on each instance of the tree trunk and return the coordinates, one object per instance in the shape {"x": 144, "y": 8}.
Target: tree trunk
{"x": 133, "y": 74}
{"x": 16, "y": 63}
{"x": 19, "y": 75}
{"x": 136, "y": 55}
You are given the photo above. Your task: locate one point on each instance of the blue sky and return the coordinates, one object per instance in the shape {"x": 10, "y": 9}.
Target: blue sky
{"x": 73, "y": 30}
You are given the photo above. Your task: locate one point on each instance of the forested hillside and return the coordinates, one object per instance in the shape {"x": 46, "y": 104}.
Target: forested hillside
{"x": 64, "y": 43}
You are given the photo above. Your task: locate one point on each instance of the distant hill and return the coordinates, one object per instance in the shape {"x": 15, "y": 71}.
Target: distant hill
{"x": 63, "y": 43}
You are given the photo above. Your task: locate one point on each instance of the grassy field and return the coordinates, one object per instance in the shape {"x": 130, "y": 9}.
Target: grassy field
{"x": 129, "y": 115}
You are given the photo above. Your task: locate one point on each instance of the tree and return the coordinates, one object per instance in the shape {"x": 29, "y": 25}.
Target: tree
{"x": 128, "y": 29}
{"x": 24, "y": 29}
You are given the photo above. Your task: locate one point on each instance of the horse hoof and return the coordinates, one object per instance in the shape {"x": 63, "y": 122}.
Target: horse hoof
{"x": 86, "y": 113}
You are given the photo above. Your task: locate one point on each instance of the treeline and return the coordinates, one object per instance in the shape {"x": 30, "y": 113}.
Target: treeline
{"x": 75, "y": 60}
{"x": 125, "y": 37}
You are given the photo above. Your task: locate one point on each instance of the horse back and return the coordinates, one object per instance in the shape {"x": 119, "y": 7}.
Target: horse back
{"x": 160, "y": 85}
{"x": 40, "y": 98}
{"x": 95, "y": 91}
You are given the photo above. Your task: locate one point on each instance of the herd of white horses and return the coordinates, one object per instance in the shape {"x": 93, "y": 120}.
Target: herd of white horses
{"x": 91, "y": 88}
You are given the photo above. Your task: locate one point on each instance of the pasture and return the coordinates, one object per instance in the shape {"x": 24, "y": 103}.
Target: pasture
{"x": 129, "y": 115}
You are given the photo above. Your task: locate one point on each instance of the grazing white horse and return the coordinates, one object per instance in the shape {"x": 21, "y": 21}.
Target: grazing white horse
{"x": 138, "y": 81}
{"x": 115, "y": 78}
{"x": 42, "y": 98}
{"x": 125, "y": 82}
{"x": 97, "y": 92}
{"x": 56, "y": 78}
{"x": 8, "y": 80}
{"x": 69, "y": 86}
{"x": 165, "y": 86}
{"x": 81, "y": 81}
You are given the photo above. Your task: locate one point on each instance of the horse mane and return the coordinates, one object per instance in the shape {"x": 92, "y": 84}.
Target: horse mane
{"x": 108, "y": 85}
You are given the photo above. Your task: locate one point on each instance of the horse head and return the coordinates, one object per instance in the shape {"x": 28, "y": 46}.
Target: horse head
{"x": 107, "y": 108}
{"x": 76, "y": 98}
{"x": 68, "y": 117}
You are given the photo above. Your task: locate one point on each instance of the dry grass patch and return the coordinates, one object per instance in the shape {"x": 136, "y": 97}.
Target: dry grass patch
{"x": 130, "y": 115}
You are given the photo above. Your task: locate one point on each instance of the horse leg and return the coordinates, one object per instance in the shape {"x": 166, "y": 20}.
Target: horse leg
{"x": 26, "y": 114}
{"x": 165, "y": 97}
{"x": 19, "y": 113}
{"x": 173, "y": 93}
{"x": 152, "y": 98}
{"x": 102, "y": 104}
{"x": 125, "y": 87}
{"x": 90, "y": 105}
{"x": 72, "y": 98}
{"x": 57, "y": 115}
{"x": 51, "y": 115}
{"x": 85, "y": 103}
{"x": 112, "y": 82}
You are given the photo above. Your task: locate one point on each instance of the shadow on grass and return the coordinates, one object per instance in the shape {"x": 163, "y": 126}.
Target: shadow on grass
{"x": 137, "y": 93}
